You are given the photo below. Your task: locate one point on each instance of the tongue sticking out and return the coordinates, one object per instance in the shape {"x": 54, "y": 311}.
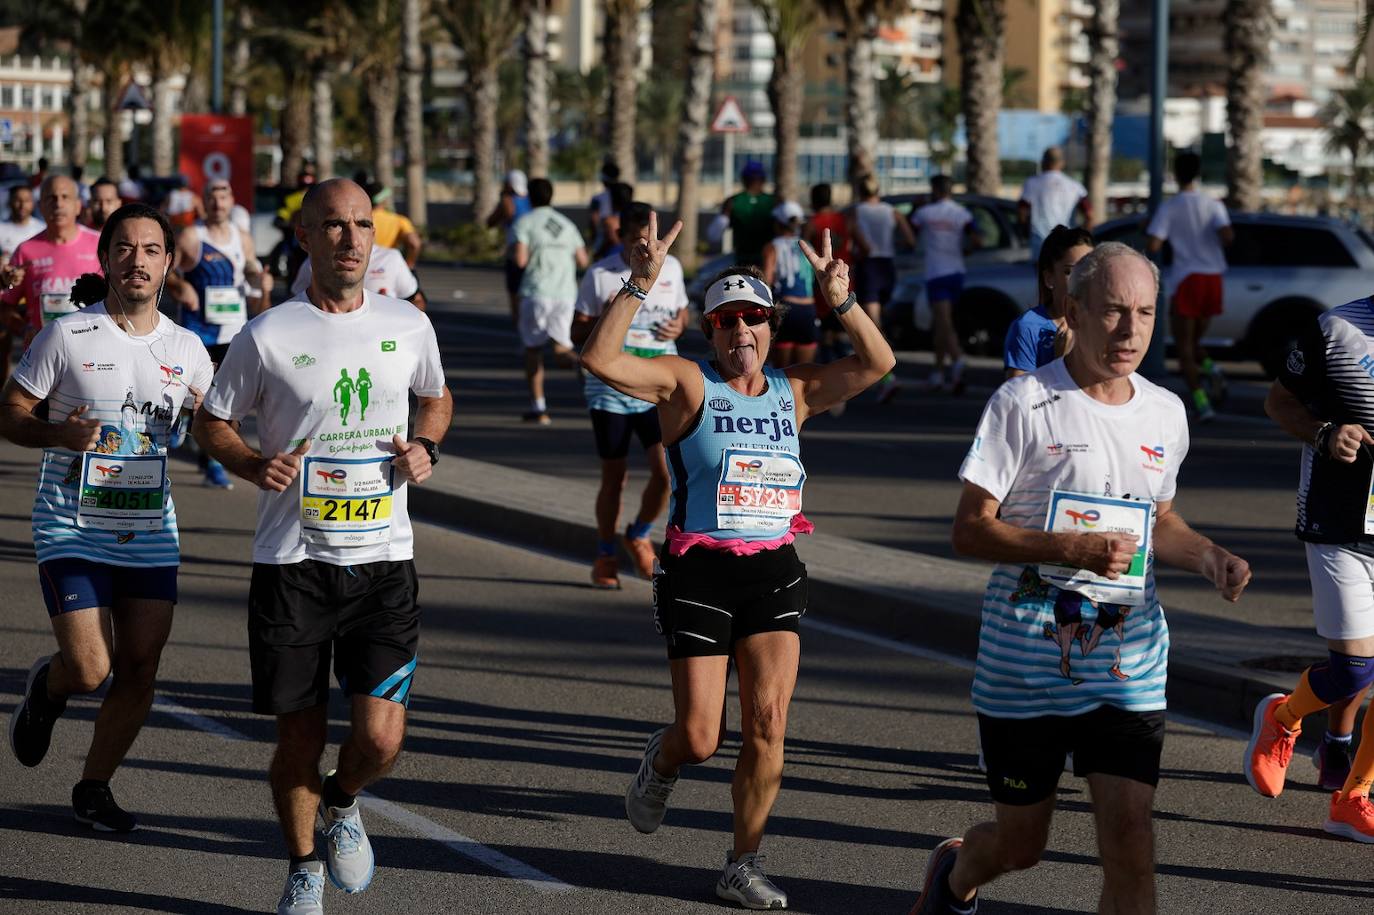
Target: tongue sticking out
{"x": 745, "y": 358}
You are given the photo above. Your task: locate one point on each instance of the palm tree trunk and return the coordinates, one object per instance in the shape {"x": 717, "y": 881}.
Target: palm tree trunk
{"x": 382, "y": 91}
{"x": 1102, "y": 37}
{"x": 413, "y": 63}
{"x": 981, "y": 26}
{"x": 622, "y": 55}
{"x": 322, "y": 119}
{"x": 860, "y": 95}
{"x": 114, "y": 139}
{"x": 785, "y": 89}
{"x": 483, "y": 94}
{"x": 79, "y": 108}
{"x": 701, "y": 56}
{"x": 238, "y": 78}
{"x": 162, "y": 122}
{"x": 295, "y": 122}
{"x": 537, "y": 88}
{"x": 1248, "y": 25}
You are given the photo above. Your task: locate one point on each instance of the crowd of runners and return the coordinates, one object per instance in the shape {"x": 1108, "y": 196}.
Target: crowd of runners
{"x": 145, "y": 329}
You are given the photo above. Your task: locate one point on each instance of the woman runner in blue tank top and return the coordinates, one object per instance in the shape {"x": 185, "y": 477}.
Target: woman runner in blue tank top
{"x": 731, "y": 584}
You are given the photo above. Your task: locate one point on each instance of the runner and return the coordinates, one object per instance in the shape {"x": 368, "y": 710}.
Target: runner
{"x": 548, "y": 248}
{"x": 1050, "y": 199}
{"x": 824, "y": 216}
{"x": 21, "y": 225}
{"x": 1082, "y": 442}
{"x": 621, "y": 196}
{"x": 789, "y": 280}
{"x": 393, "y": 229}
{"x": 1199, "y": 229}
{"x": 601, "y": 206}
{"x": 131, "y": 189}
{"x": 118, "y": 376}
{"x": 215, "y": 266}
{"x": 332, "y": 567}
{"x": 183, "y": 208}
{"x": 104, "y": 201}
{"x": 1041, "y": 335}
{"x": 46, "y": 266}
{"x": 514, "y": 203}
{"x": 750, "y": 215}
{"x": 617, "y": 417}
{"x": 387, "y": 274}
{"x": 731, "y": 584}
{"x": 871, "y": 227}
{"x": 947, "y": 227}
{"x": 37, "y": 178}
{"x": 1324, "y": 397}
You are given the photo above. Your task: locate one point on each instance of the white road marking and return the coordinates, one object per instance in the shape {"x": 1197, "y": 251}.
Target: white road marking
{"x": 196, "y": 719}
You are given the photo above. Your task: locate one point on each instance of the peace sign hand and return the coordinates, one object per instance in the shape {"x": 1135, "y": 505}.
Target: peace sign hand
{"x": 646, "y": 253}
{"x": 831, "y": 272}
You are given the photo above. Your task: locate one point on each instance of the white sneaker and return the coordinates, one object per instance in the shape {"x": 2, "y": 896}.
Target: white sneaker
{"x": 647, "y": 800}
{"x": 744, "y": 881}
{"x": 348, "y": 853}
{"x": 304, "y": 893}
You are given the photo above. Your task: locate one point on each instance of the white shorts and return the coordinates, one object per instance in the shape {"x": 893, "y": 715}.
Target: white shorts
{"x": 1342, "y": 591}
{"x": 542, "y": 320}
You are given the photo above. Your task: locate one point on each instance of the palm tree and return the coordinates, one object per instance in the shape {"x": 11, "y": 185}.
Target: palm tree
{"x": 536, "y": 87}
{"x": 1102, "y": 39}
{"x": 791, "y": 24}
{"x": 900, "y": 99}
{"x": 859, "y": 20}
{"x": 660, "y": 105}
{"x": 622, "y": 59}
{"x": 1348, "y": 115}
{"x": 701, "y": 58}
{"x": 413, "y": 65}
{"x": 484, "y": 31}
{"x": 60, "y": 22}
{"x": 1248, "y": 25}
{"x": 377, "y": 26}
{"x": 981, "y": 29}
{"x": 242, "y": 59}
{"x": 939, "y": 108}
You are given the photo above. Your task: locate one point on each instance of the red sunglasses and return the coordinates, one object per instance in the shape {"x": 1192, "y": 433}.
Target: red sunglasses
{"x": 753, "y": 317}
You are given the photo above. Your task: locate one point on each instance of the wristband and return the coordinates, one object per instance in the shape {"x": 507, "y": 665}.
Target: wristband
{"x": 630, "y": 287}
{"x": 846, "y": 304}
{"x": 1322, "y": 440}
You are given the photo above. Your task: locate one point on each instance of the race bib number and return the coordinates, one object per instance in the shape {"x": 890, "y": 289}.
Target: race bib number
{"x": 346, "y": 501}
{"x": 1076, "y": 513}
{"x": 642, "y": 342}
{"x": 122, "y": 492}
{"x": 55, "y": 305}
{"x": 224, "y": 305}
{"x": 759, "y": 491}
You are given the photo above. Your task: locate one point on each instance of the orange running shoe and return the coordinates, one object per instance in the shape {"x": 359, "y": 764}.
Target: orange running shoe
{"x": 1270, "y": 748}
{"x": 606, "y": 573}
{"x": 1352, "y": 816}
{"x": 641, "y": 550}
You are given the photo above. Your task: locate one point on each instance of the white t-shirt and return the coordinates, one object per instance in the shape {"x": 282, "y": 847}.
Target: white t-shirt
{"x": 136, "y": 387}
{"x": 339, "y": 380}
{"x": 600, "y": 284}
{"x": 13, "y": 234}
{"x": 942, "y": 226}
{"x": 1190, "y": 220}
{"x": 1040, "y": 432}
{"x": 877, "y": 224}
{"x": 242, "y": 218}
{"x": 1052, "y": 196}
{"x": 387, "y": 274}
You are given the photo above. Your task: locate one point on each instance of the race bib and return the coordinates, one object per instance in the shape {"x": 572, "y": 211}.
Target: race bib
{"x": 224, "y": 305}
{"x": 1083, "y": 514}
{"x": 642, "y": 342}
{"x": 55, "y": 305}
{"x": 759, "y": 491}
{"x": 122, "y": 492}
{"x": 346, "y": 501}
{"x": 1369, "y": 508}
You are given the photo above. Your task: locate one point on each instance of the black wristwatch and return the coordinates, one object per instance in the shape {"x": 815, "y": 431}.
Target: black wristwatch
{"x": 430, "y": 447}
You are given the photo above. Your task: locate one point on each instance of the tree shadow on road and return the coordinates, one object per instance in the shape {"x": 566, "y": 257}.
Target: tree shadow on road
{"x": 105, "y": 899}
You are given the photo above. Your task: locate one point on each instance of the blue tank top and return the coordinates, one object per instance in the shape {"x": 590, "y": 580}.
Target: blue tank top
{"x": 215, "y": 269}
{"x": 522, "y": 206}
{"x": 738, "y": 474}
{"x": 791, "y": 273}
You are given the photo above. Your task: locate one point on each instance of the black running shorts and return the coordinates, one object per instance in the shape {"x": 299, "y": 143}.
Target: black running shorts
{"x": 798, "y": 326}
{"x": 706, "y": 600}
{"x": 365, "y": 616}
{"x": 1025, "y": 756}
{"x": 613, "y": 432}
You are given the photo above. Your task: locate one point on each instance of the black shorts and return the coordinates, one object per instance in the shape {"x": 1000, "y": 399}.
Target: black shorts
{"x": 706, "y": 600}
{"x": 1025, "y": 756}
{"x": 877, "y": 278}
{"x": 514, "y": 275}
{"x": 217, "y": 352}
{"x": 613, "y": 431}
{"x": 798, "y": 325}
{"x": 298, "y": 614}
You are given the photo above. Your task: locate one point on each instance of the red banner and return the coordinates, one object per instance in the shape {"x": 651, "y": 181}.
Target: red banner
{"x": 218, "y": 146}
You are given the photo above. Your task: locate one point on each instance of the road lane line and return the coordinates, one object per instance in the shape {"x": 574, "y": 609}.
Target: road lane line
{"x": 455, "y": 841}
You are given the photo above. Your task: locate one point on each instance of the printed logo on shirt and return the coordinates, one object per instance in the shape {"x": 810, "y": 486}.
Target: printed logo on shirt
{"x": 84, "y": 330}
{"x": 1296, "y": 364}
{"x": 171, "y": 373}
{"x": 784, "y": 405}
{"x": 1045, "y": 403}
{"x": 1059, "y": 448}
{"x": 344, "y": 390}
{"x": 1154, "y": 458}
{"x": 88, "y": 366}
{"x": 1367, "y": 363}
{"x": 304, "y": 360}
{"x": 388, "y": 346}
{"x": 721, "y": 404}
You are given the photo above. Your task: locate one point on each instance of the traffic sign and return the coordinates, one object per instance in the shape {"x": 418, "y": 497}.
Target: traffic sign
{"x": 134, "y": 99}
{"x": 6, "y": 130}
{"x": 729, "y": 117}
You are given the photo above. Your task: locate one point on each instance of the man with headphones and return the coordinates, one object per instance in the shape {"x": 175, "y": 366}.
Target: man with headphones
{"x": 118, "y": 376}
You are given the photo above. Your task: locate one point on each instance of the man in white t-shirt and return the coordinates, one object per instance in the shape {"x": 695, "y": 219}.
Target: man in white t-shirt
{"x": 387, "y": 274}
{"x": 327, "y": 374}
{"x": 116, "y": 376}
{"x": 1200, "y": 229}
{"x": 1069, "y": 487}
{"x": 946, "y": 227}
{"x": 617, "y": 417}
{"x": 1050, "y": 199}
{"x": 22, "y": 224}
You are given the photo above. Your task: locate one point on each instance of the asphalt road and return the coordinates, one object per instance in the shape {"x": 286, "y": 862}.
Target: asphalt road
{"x": 534, "y": 696}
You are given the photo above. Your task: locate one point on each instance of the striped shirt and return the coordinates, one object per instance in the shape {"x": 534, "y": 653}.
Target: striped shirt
{"x": 1043, "y": 651}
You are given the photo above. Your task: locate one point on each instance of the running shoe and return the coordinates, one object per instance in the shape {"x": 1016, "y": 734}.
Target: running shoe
{"x": 216, "y": 476}
{"x": 348, "y": 853}
{"x": 956, "y": 378}
{"x": 606, "y": 573}
{"x": 1352, "y": 816}
{"x": 94, "y": 805}
{"x": 538, "y": 417}
{"x": 641, "y": 550}
{"x": 1270, "y": 749}
{"x": 888, "y": 388}
{"x": 1333, "y": 759}
{"x": 647, "y": 800}
{"x": 304, "y": 893}
{"x": 1202, "y": 407}
{"x": 935, "y": 898}
{"x": 744, "y": 881}
{"x": 33, "y": 719}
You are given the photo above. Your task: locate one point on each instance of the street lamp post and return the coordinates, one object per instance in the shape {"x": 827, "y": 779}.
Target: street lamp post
{"x": 1153, "y": 364}
{"x": 217, "y": 60}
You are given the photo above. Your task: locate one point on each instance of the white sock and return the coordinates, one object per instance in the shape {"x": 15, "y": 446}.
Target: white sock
{"x": 539, "y": 405}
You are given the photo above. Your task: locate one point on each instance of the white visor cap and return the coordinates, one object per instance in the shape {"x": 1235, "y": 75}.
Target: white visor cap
{"x": 737, "y": 287}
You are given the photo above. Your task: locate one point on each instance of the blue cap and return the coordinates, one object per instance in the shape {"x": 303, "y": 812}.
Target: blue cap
{"x": 752, "y": 169}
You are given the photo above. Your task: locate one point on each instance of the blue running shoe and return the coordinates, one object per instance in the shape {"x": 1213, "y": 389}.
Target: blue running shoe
{"x": 304, "y": 893}
{"x": 217, "y": 476}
